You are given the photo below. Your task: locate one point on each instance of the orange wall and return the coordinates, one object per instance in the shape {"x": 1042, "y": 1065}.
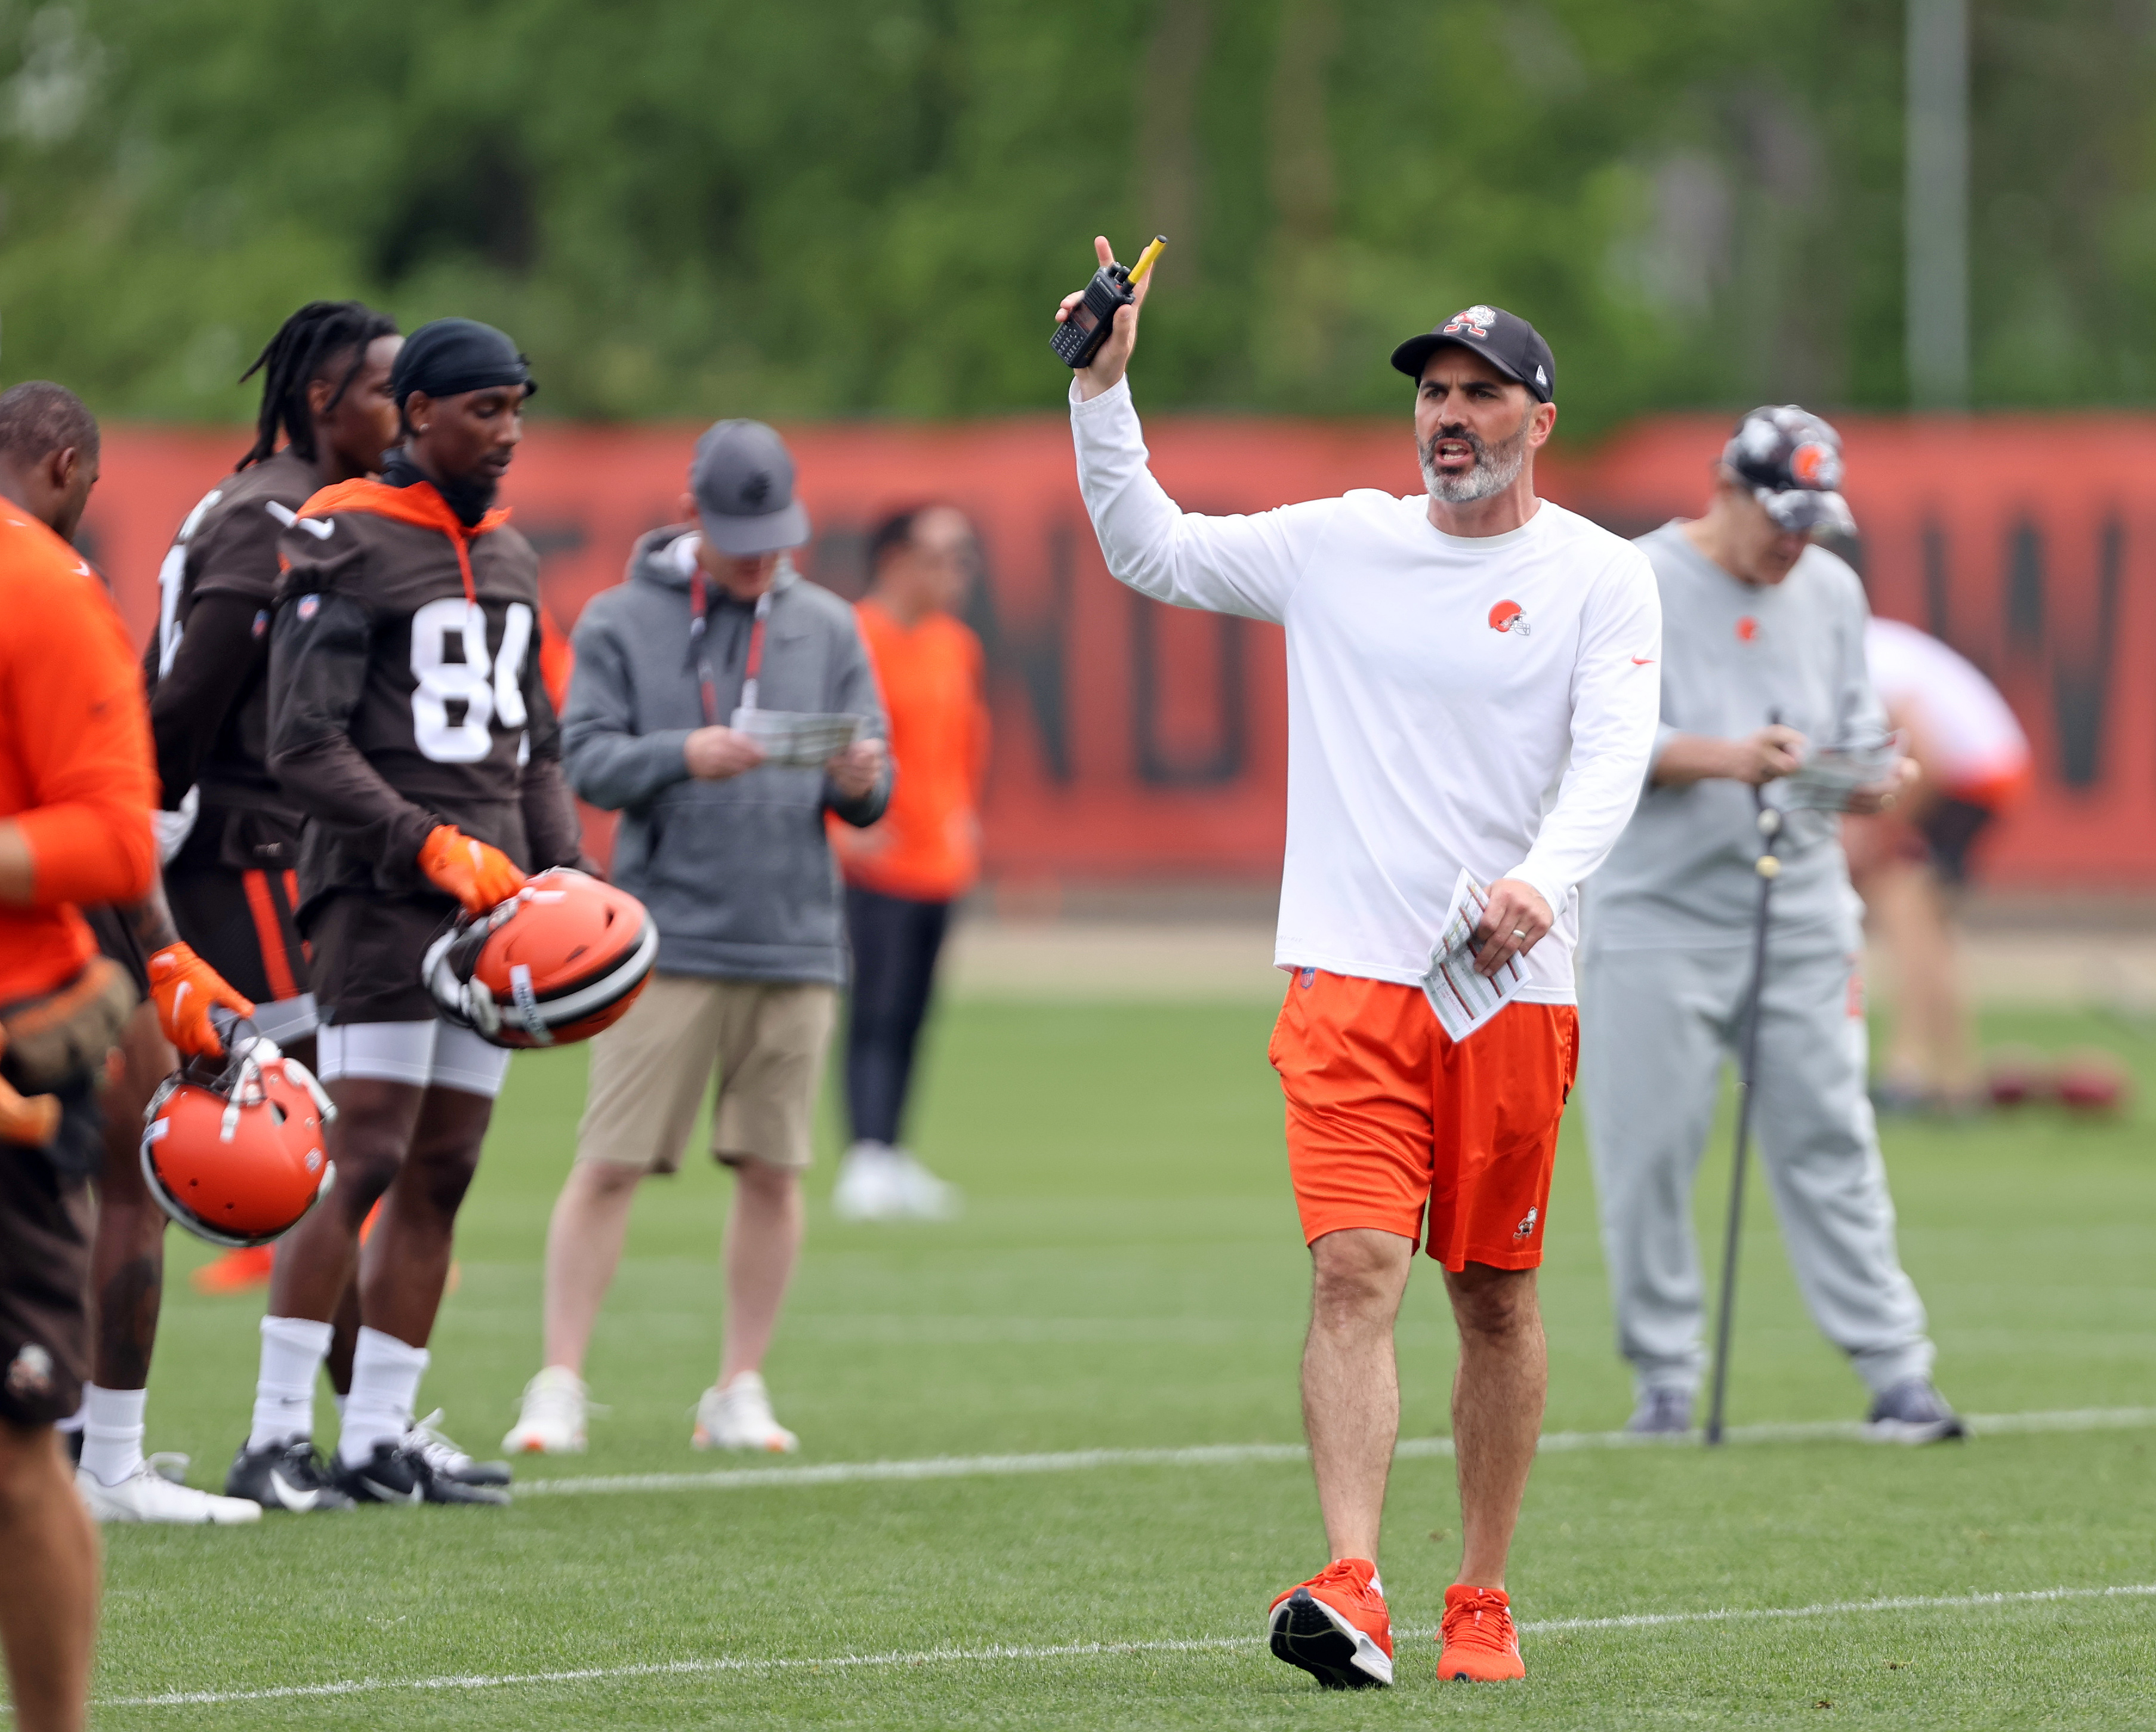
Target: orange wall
{"x": 1135, "y": 741}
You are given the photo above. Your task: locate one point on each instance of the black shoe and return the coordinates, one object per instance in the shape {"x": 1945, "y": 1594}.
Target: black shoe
{"x": 396, "y": 1473}
{"x": 1661, "y": 1413}
{"x": 448, "y": 1460}
{"x": 1912, "y": 1412}
{"x": 284, "y": 1476}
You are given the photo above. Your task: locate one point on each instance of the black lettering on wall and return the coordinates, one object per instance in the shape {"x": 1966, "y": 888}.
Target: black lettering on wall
{"x": 1035, "y": 657}
{"x": 1157, "y": 765}
{"x": 2080, "y": 679}
{"x": 1937, "y": 620}
{"x": 2024, "y": 589}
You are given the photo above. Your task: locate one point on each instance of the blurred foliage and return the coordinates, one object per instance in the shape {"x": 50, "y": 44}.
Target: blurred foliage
{"x": 848, "y": 207}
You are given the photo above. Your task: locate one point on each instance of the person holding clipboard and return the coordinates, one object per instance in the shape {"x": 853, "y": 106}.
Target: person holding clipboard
{"x": 714, "y": 694}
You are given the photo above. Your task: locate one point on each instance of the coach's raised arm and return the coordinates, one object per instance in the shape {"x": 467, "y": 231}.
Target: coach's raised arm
{"x": 1472, "y": 689}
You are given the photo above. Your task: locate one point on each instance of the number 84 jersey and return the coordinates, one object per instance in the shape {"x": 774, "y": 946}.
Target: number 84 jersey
{"x": 405, "y": 691}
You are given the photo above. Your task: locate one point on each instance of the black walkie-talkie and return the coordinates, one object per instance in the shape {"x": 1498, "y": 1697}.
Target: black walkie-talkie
{"x": 1078, "y": 338}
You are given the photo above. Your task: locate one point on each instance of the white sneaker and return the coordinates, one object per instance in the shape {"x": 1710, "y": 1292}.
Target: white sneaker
{"x": 868, "y": 1184}
{"x": 145, "y": 1495}
{"x": 551, "y": 1422}
{"x": 921, "y": 1195}
{"x": 739, "y": 1418}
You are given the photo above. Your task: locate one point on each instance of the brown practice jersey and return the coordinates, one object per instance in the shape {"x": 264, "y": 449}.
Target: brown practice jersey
{"x": 405, "y": 691}
{"x": 207, "y": 666}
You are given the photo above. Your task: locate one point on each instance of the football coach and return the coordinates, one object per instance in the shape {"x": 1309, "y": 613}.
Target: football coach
{"x": 1471, "y": 684}
{"x": 1765, "y": 663}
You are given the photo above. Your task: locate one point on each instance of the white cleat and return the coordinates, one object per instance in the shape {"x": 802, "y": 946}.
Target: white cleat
{"x": 145, "y": 1495}
{"x": 921, "y": 1196}
{"x": 551, "y": 1422}
{"x": 739, "y": 1416}
{"x": 867, "y": 1187}
{"x": 877, "y": 1182}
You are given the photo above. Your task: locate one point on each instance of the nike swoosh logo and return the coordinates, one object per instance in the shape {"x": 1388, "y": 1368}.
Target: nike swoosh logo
{"x": 1643, "y": 661}
{"x": 291, "y": 1499}
{"x": 388, "y": 1496}
{"x": 283, "y": 513}
{"x": 322, "y": 530}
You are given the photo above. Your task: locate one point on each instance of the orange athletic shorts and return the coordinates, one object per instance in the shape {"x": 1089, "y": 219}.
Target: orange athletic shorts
{"x": 1386, "y": 1116}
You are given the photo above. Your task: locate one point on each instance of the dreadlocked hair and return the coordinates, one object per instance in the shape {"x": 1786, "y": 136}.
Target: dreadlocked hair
{"x": 299, "y": 354}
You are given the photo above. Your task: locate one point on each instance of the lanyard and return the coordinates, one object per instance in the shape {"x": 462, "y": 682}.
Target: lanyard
{"x": 698, "y": 621}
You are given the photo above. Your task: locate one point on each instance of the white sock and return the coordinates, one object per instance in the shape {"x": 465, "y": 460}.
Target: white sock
{"x": 111, "y": 1432}
{"x": 337, "y": 1401}
{"x": 293, "y": 1349}
{"x": 385, "y": 1392}
{"x": 73, "y": 1421}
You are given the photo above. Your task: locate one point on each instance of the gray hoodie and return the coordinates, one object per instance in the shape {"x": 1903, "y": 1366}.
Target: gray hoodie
{"x": 737, "y": 874}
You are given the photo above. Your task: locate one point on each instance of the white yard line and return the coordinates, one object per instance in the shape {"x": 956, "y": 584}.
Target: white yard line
{"x": 1227, "y": 1455}
{"x": 1087, "y": 1650}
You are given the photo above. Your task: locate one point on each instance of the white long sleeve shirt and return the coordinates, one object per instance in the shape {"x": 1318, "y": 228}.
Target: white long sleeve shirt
{"x": 1488, "y": 703}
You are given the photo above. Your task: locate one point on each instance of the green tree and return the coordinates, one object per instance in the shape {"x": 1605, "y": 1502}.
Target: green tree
{"x": 702, "y": 206}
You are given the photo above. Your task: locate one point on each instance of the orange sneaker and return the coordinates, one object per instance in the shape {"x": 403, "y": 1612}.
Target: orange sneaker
{"x": 236, "y": 1271}
{"x": 1335, "y": 1627}
{"x": 1479, "y": 1643}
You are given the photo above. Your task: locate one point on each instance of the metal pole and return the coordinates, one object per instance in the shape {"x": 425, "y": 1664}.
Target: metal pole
{"x": 1935, "y": 219}
{"x": 1769, "y": 867}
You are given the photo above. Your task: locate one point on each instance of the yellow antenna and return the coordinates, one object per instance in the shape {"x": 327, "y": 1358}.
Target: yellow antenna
{"x": 1154, "y": 249}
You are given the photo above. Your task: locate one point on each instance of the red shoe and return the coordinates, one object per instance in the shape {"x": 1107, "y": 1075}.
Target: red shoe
{"x": 1479, "y": 1645}
{"x": 1335, "y": 1627}
{"x": 236, "y": 1271}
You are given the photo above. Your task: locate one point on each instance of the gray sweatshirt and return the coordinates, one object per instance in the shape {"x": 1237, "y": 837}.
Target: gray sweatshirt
{"x": 1735, "y": 656}
{"x": 737, "y": 874}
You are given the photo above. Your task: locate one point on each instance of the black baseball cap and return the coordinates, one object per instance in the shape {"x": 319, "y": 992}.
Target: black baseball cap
{"x": 1791, "y": 460}
{"x": 1508, "y": 341}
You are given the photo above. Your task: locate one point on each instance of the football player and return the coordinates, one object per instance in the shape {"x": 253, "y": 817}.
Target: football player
{"x": 408, "y": 721}
{"x": 231, "y": 838}
{"x": 230, "y": 842}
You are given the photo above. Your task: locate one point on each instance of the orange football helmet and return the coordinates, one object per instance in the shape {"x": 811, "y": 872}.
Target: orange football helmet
{"x": 235, "y": 1154}
{"x": 562, "y": 959}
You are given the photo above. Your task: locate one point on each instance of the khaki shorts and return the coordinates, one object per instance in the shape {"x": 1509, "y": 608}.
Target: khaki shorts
{"x": 649, "y": 1073}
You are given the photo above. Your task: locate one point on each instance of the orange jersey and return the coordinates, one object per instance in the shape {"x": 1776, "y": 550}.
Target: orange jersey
{"x": 76, "y": 774}
{"x": 928, "y": 845}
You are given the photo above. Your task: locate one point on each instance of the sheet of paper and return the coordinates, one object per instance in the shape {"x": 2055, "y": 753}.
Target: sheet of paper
{"x": 793, "y": 740}
{"x": 1463, "y": 999}
{"x": 1831, "y": 774}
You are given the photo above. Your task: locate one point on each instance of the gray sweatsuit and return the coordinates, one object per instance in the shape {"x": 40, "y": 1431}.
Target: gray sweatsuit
{"x": 1665, "y": 963}
{"x": 737, "y": 874}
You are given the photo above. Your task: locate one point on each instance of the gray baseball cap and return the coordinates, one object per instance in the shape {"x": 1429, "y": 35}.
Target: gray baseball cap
{"x": 742, "y": 477}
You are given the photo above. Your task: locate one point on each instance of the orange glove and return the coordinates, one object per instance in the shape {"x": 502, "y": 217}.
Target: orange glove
{"x": 478, "y": 875}
{"x": 184, "y": 987}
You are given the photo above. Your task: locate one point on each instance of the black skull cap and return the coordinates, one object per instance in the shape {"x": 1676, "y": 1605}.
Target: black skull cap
{"x": 447, "y": 356}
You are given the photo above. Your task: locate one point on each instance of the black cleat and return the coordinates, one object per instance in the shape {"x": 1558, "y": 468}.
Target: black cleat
{"x": 397, "y": 1473}
{"x": 1306, "y": 1634}
{"x": 284, "y": 1476}
{"x": 448, "y": 1460}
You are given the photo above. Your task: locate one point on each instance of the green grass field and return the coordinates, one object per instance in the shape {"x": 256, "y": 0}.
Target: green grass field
{"x": 1128, "y": 1276}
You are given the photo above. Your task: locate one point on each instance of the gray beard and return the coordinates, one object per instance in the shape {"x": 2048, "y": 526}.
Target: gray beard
{"x": 1494, "y": 471}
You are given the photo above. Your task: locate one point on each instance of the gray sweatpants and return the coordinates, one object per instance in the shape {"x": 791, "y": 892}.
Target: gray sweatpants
{"x": 1655, "y": 1027}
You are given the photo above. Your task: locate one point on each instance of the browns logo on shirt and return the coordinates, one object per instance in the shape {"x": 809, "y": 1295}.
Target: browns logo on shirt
{"x": 405, "y": 690}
